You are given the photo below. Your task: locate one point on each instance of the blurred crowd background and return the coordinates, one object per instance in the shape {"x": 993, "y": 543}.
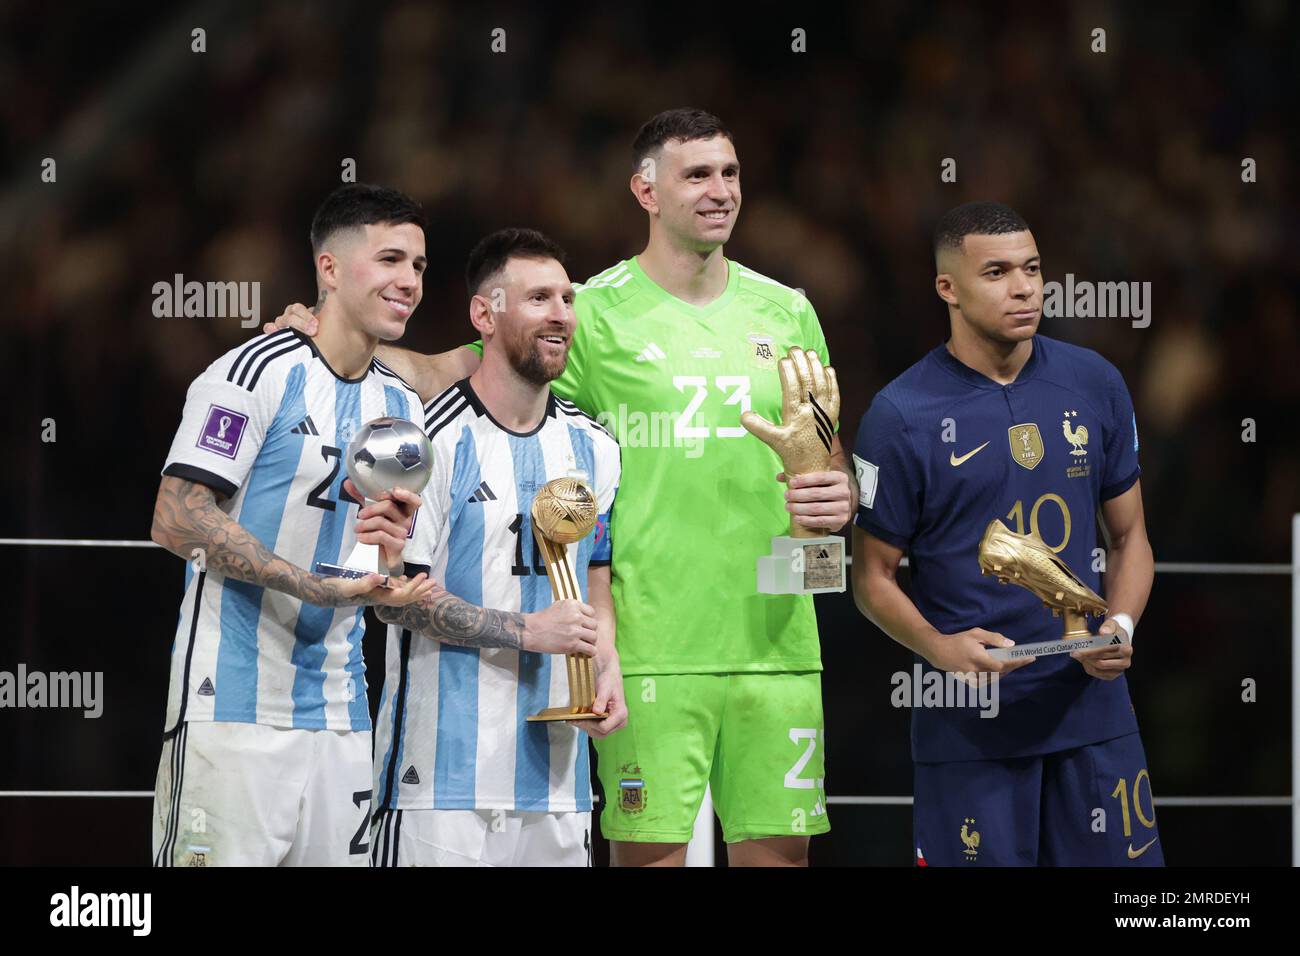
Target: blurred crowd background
{"x": 1127, "y": 164}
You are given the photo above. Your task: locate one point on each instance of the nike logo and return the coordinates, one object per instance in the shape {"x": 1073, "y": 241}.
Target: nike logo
{"x": 1134, "y": 854}
{"x": 955, "y": 461}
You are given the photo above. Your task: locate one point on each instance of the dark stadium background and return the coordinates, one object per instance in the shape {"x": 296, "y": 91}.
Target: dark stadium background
{"x": 1126, "y": 164}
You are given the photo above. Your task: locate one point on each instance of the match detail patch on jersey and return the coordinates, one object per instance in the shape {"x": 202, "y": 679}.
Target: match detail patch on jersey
{"x": 222, "y": 431}
{"x": 868, "y": 477}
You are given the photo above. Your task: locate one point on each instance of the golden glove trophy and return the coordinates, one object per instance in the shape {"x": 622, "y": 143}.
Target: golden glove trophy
{"x": 1025, "y": 559}
{"x": 807, "y": 560}
{"x": 564, "y": 511}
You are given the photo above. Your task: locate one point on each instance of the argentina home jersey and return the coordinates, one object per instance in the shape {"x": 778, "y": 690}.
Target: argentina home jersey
{"x": 265, "y": 427}
{"x": 452, "y": 733}
{"x": 942, "y": 451}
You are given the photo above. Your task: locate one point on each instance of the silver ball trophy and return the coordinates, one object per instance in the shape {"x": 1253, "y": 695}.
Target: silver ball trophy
{"x": 385, "y": 454}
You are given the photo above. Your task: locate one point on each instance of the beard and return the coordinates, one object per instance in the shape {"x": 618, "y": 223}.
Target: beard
{"x": 525, "y": 356}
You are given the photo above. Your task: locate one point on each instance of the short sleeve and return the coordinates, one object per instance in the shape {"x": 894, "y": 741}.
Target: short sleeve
{"x": 429, "y": 529}
{"x": 1121, "y": 441}
{"x": 814, "y": 340}
{"x": 608, "y": 475}
{"x": 889, "y": 476}
{"x": 224, "y": 424}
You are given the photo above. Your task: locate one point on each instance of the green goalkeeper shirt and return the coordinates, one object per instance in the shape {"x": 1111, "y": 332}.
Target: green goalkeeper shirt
{"x": 699, "y": 501}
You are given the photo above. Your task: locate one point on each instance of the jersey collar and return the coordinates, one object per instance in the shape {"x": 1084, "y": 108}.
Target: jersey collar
{"x": 481, "y": 410}
{"x": 968, "y": 375}
{"x": 697, "y": 311}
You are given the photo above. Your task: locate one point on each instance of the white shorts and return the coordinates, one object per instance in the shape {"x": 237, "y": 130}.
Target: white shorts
{"x": 234, "y": 794}
{"x": 480, "y": 838}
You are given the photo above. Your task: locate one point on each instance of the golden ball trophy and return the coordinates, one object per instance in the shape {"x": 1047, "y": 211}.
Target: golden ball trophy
{"x": 807, "y": 560}
{"x": 564, "y": 511}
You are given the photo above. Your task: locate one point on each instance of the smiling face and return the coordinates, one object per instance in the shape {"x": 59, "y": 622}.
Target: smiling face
{"x": 695, "y": 193}
{"x": 526, "y": 310}
{"x": 377, "y": 274}
{"x": 995, "y": 284}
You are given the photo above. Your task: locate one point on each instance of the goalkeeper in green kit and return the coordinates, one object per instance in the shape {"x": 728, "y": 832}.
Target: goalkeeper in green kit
{"x": 723, "y": 684}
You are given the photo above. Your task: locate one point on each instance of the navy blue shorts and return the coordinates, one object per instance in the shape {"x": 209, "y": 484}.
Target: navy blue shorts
{"x": 1091, "y": 806}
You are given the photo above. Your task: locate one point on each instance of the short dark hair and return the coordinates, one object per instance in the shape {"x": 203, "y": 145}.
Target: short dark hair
{"x": 684, "y": 124}
{"x": 975, "y": 219}
{"x": 361, "y": 204}
{"x": 495, "y": 249}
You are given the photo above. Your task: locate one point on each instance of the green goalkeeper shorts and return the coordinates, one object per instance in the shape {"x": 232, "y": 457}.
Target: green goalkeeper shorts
{"x": 756, "y": 738}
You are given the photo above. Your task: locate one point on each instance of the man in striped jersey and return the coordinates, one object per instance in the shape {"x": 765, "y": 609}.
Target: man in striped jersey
{"x": 266, "y": 753}
{"x": 461, "y": 777}
{"x": 723, "y": 683}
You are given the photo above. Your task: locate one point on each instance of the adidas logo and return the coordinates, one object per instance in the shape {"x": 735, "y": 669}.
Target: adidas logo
{"x": 410, "y": 776}
{"x": 484, "y": 493}
{"x": 651, "y": 353}
{"x": 305, "y": 427}
{"x": 206, "y": 689}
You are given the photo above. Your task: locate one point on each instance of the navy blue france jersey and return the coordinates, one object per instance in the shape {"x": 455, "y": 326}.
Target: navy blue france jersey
{"x": 1041, "y": 454}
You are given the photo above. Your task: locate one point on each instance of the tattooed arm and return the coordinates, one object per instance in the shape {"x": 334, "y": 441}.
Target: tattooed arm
{"x": 566, "y": 627}
{"x": 188, "y": 523}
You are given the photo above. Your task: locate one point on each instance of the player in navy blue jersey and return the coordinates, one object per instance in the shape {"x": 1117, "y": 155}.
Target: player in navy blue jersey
{"x": 1002, "y": 423}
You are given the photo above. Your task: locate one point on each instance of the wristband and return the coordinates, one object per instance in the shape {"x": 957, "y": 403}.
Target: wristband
{"x": 1126, "y": 622}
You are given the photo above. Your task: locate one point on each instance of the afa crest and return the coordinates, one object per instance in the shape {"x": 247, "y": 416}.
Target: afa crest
{"x": 631, "y": 789}
{"x": 762, "y": 350}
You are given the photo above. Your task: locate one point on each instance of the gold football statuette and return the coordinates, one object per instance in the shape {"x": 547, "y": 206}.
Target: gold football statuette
{"x": 810, "y": 407}
{"x": 564, "y": 511}
{"x": 1026, "y": 560}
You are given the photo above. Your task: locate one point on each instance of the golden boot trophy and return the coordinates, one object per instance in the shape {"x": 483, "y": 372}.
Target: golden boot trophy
{"x": 564, "y": 511}
{"x": 1025, "y": 559}
{"x": 807, "y": 560}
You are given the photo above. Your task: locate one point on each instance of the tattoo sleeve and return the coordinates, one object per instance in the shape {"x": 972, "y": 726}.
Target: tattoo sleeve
{"x": 447, "y": 618}
{"x": 187, "y": 521}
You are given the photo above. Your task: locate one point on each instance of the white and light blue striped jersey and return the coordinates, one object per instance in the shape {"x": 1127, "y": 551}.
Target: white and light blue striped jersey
{"x": 451, "y": 731}
{"x": 265, "y": 426}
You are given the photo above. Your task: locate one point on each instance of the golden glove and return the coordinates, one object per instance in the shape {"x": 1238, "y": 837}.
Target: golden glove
{"x": 810, "y": 407}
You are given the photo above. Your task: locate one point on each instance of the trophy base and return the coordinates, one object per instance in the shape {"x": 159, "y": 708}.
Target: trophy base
{"x": 566, "y": 713}
{"x": 1067, "y": 645}
{"x": 803, "y": 566}
{"x": 326, "y": 570}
